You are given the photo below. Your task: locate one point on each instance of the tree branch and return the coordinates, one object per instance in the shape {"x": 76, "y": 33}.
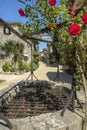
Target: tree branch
{"x": 38, "y": 39}
{"x": 39, "y": 31}
{"x": 22, "y": 2}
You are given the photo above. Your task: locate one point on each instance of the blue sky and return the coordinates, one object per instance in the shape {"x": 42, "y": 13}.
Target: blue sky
{"x": 9, "y": 13}
{"x": 9, "y": 10}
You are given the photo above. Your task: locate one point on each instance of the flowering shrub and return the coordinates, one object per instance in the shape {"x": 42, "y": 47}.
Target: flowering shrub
{"x": 84, "y": 18}
{"x": 21, "y": 12}
{"x": 74, "y": 29}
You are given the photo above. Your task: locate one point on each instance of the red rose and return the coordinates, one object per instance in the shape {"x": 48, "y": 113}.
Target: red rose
{"x": 52, "y": 2}
{"x": 21, "y": 12}
{"x": 74, "y": 29}
{"x": 84, "y": 18}
{"x": 74, "y": 11}
{"x": 23, "y": 107}
{"x": 71, "y": 15}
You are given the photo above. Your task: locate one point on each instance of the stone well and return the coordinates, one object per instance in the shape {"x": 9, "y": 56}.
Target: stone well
{"x": 19, "y": 105}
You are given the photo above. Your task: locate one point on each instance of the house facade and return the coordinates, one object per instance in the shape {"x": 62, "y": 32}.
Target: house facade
{"x": 6, "y": 35}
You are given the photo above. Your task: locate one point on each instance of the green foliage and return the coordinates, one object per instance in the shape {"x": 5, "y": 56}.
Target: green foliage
{"x": 24, "y": 66}
{"x": 5, "y": 67}
{"x": 78, "y": 87}
{"x": 66, "y": 54}
{"x": 81, "y": 62}
{"x": 14, "y": 51}
{"x": 7, "y": 47}
{"x": 18, "y": 52}
{"x": 12, "y": 69}
{"x": 33, "y": 65}
{"x": 36, "y": 54}
{"x": 12, "y": 47}
{"x": 41, "y": 14}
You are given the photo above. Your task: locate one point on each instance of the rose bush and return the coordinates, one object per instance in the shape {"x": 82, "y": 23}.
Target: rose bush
{"x": 74, "y": 29}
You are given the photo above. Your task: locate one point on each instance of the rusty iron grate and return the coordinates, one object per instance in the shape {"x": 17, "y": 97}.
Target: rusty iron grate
{"x": 34, "y": 100}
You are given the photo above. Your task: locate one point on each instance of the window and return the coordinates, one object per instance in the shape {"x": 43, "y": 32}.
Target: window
{"x": 7, "y": 31}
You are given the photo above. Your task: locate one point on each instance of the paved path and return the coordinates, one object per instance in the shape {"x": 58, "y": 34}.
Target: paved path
{"x": 44, "y": 72}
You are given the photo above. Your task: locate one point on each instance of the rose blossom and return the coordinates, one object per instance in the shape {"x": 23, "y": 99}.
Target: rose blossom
{"x": 52, "y": 2}
{"x": 74, "y": 29}
{"x": 23, "y": 107}
{"x": 84, "y": 18}
{"x": 21, "y": 12}
{"x": 72, "y": 13}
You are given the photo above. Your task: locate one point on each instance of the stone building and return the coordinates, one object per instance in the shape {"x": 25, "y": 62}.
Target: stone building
{"x": 6, "y": 35}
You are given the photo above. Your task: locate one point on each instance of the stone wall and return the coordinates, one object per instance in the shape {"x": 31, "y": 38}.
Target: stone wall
{"x": 48, "y": 121}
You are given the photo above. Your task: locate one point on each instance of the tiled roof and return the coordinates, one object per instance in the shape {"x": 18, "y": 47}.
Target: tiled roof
{"x": 13, "y": 23}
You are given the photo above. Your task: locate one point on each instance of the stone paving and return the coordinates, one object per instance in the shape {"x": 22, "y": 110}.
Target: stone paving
{"x": 44, "y": 72}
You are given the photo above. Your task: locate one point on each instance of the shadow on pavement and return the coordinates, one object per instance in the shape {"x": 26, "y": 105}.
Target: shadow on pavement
{"x": 61, "y": 76}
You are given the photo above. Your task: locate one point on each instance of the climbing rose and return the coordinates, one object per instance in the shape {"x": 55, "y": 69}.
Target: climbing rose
{"x": 74, "y": 29}
{"x": 74, "y": 11}
{"x": 71, "y": 15}
{"x": 21, "y": 12}
{"x": 52, "y": 2}
{"x": 84, "y": 18}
